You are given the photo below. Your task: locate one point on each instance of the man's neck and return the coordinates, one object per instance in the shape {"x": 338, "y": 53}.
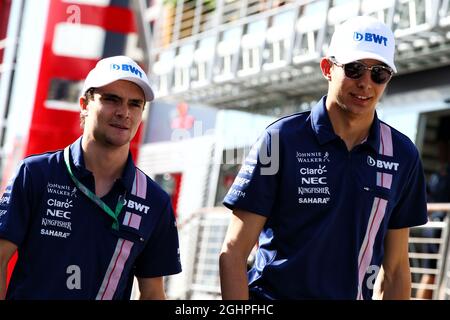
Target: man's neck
{"x": 105, "y": 163}
{"x": 352, "y": 129}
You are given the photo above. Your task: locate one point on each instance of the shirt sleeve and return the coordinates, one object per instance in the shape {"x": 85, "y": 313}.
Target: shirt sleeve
{"x": 161, "y": 256}
{"x": 255, "y": 187}
{"x": 411, "y": 210}
{"x": 15, "y": 206}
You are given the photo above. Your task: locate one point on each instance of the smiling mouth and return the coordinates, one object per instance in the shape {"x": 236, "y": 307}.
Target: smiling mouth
{"x": 365, "y": 98}
{"x": 115, "y": 125}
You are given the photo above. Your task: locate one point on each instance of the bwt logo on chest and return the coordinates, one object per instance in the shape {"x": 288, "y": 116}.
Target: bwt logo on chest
{"x": 137, "y": 206}
{"x": 370, "y": 37}
{"x": 126, "y": 67}
{"x": 382, "y": 164}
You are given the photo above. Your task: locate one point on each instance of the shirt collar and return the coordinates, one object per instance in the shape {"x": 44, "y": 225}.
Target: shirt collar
{"x": 373, "y": 140}
{"x": 322, "y": 127}
{"x": 81, "y": 172}
{"x": 77, "y": 159}
{"x": 321, "y": 124}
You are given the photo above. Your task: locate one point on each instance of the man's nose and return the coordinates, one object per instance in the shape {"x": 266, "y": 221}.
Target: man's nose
{"x": 365, "y": 81}
{"x": 122, "y": 109}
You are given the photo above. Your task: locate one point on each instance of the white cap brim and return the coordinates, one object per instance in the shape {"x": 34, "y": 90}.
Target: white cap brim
{"x": 109, "y": 70}
{"x": 148, "y": 92}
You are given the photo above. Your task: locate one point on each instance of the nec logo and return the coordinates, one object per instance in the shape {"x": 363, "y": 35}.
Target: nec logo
{"x": 59, "y": 213}
{"x": 382, "y": 164}
{"x": 370, "y": 37}
{"x": 314, "y": 180}
{"x": 126, "y": 67}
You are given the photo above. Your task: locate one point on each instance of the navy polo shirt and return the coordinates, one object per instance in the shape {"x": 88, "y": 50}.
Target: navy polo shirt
{"x": 67, "y": 248}
{"x": 328, "y": 209}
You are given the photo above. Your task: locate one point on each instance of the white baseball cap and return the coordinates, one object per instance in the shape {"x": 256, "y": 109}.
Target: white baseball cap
{"x": 363, "y": 37}
{"x": 116, "y": 68}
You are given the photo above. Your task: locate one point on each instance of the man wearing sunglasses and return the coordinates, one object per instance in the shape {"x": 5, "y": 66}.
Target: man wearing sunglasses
{"x": 329, "y": 195}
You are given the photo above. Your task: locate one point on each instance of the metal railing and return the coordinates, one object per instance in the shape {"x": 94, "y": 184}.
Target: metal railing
{"x": 276, "y": 51}
{"x": 202, "y": 235}
{"x": 428, "y": 246}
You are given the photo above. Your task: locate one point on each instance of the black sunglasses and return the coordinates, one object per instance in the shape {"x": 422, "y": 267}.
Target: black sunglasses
{"x": 354, "y": 70}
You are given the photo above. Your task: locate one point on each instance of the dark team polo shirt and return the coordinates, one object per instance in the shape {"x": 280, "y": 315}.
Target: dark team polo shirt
{"x": 328, "y": 209}
{"x": 66, "y": 244}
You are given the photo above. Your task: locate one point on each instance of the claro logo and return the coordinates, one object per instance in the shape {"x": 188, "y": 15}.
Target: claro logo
{"x": 382, "y": 164}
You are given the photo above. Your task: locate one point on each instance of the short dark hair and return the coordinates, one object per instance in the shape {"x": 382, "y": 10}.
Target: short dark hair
{"x": 89, "y": 94}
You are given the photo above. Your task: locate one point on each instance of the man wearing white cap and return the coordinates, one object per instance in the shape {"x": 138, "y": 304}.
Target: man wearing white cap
{"x": 330, "y": 194}
{"x": 85, "y": 220}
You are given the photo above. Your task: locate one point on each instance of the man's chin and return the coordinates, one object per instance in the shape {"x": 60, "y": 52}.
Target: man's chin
{"x": 118, "y": 142}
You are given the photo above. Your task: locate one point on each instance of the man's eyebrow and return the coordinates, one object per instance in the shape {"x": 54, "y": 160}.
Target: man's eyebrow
{"x": 113, "y": 95}
{"x": 137, "y": 100}
{"x": 109, "y": 95}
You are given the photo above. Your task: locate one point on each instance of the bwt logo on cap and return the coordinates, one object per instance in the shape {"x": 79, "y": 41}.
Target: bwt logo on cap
{"x": 370, "y": 37}
{"x": 126, "y": 67}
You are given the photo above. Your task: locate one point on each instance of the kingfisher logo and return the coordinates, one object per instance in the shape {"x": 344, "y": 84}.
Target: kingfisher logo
{"x": 127, "y": 68}
{"x": 370, "y": 37}
{"x": 382, "y": 164}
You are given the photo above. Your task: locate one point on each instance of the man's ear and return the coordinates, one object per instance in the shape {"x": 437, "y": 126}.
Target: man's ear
{"x": 83, "y": 105}
{"x": 325, "y": 66}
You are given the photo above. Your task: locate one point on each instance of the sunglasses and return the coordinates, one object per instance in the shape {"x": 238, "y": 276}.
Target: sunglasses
{"x": 354, "y": 70}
